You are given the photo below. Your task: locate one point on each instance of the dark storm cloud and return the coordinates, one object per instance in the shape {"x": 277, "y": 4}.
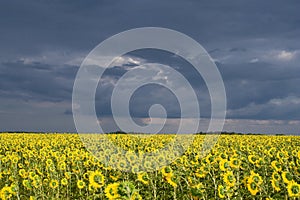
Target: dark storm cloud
{"x": 258, "y": 83}
{"x": 36, "y": 81}
{"x": 240, "y": 35}
{"x": 32, "y": 26}
{"x": 259, "y": 71}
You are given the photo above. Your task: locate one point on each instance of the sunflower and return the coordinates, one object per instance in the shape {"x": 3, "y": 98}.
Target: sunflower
{"x": 14, "y": 159}
{"x": 23, "y": 173}
{"x": 53, "y": 183}
{"x": 234, "y": 163}
{"x": 282, "y": 155}
{"x": 87, "y": 163}
{"x": 37, "y": 181}
{"x": 229, "y": 178}
{"x": 166, "y": 171}
{"x": 62, "y": 166}
{"x": 256, "y": 178}
{"x": 252, "y": 188}
{"x": 135, "y": 169}
{"x": 147, "y": 165}
{"x": 64, "y": 181}
{"x": 243, "y": 164}
{"x": 131, "y": 157}
{"x": 20, "y": 165}
{"x": 221, "y": 191}
{"x": 201, "y": 172}
{"x": 80, "y": 184}
{"x": 136, "y": 196}
{"x": 13, "y": 189}
{"x": 275, "y": 185}
{"x": 111, "y": 191}
{"x": 276, "y": 176}
{"x": 96, "y": 179}
{"x": 209, "y": 158}
{"x": 224, "y": 156}
{"x": 286, "y": 177}
{"x": 31, "y": 175}
{"x": 68, "y": 175}
{"x": 170, "y": 180}
{"x": 271, "y": 152}
{"x": 276, "y": 165}
{"x": 224, "y": 164}
{"x": 298, "y": 155}
{"x": 26, "y": 183}
{"x": 46, "y": 182}
{"x": 161, "y": 159}
{"x": 297, "y": 170}
{"x": 259, "y": 162}
{"x": 5, "y": 193}
{"x": 122, "y": 165}
{"x": 293, "y": 189}
{"x": 252, "y": 159}
{"x": 49, "y": 162}
{"x": 86, "y": 175}
{"x": 143, "y": 177}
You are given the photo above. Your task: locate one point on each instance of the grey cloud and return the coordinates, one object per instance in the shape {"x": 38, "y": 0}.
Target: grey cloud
{"x": 33, "y": 25}
{"x": 36, "y": 81}
{"x": 285, "y": 108}
{"x": 258, "y": 83}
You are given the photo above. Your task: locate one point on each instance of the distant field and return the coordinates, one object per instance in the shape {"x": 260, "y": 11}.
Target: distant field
{"x": 58, "y": 166}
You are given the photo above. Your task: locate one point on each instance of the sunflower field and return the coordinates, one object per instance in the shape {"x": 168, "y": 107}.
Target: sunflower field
{"x": 58, "y": 166}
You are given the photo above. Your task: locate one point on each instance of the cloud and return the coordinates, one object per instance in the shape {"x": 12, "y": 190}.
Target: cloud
{"x": 254, "y": 60}
{"x": 262, "y": 126}
{"x": 279, "y": 55}
{"x": 275, "y": 109}
{"x": 285, "y": 55}
{"x": 36, "y": 81}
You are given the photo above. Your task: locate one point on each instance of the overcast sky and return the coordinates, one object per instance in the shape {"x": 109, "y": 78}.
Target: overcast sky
{"x": 255, "y": 45}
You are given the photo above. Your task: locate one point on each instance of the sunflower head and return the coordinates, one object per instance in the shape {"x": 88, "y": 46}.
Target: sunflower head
{"x": 224, "y": 164}
{"x": 255, "y": 177}
{"x": 136, "y": 196}
{"x": 252, "y": 159}
{"x": 275, "y": 185}
{"x": 276, "y": 165}
{"x": 252, "y": 188}
{"x": 64, "y": 181}
{"x": 276, "y": 176}
{"x": 80, "y": 184}
{"x": 221, "y": 191}
{"x": 111, "y": 191}
{"x": 166, "y": 171}
{"x": 234, "y": 163}
{"x": 293, "y": 189}
{"x": 143, "y": 177}
{"x": 53, "y": 184}
{"x": 287, "y": 177}
{"x": 171, "y": 180}
{"x": 229, "y": 178}
{"x": 96, "y": 179}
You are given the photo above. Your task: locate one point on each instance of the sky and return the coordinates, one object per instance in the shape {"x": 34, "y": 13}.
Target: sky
{"x": 255, "y": 45}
